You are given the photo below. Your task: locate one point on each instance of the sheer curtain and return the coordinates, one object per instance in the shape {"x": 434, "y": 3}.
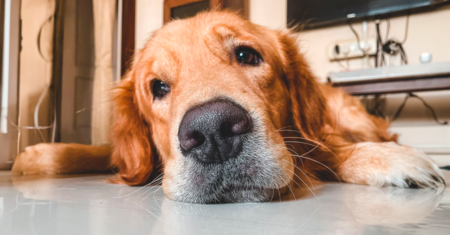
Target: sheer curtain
{"x": 104, "y": 13}
{"x": 35, "y": 75}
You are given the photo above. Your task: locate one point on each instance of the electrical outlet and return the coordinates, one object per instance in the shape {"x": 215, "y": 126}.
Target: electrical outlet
{"x": 350, "y": 50}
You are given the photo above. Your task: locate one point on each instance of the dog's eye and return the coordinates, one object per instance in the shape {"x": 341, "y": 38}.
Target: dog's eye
{"x": 248, "y": 56}
{"x": 160, "y": 89}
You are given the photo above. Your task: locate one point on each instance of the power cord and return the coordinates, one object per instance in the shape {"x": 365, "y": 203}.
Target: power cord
{"x": 395, "y": 47}
{"x": 433, "y": 113}
{"x": 36, "y": 126}
{"x": 337, "y": 50}
{"x": 374, "y": 106}
{"x": 357, "y": 39}
{"x": 406, "y": 29}
{"x": 388, "y": 28}
{"x": 379, "y": 56}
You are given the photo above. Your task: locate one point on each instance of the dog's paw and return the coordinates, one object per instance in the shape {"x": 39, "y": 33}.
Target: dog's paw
{"x": 391, "y": 164}
{"x": 60, "y": 158}
{"x": 38, "y": 159}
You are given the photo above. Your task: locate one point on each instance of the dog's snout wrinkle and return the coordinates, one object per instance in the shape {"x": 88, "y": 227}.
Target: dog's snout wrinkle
{"x": 213, "y": 132}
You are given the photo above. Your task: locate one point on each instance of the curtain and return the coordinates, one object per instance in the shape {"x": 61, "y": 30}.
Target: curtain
{"x": 104, "y": 13}
{"x": 35, "y": 72}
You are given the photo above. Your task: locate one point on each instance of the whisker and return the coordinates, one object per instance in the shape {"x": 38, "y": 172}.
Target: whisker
{"x": 149, "y": 187}
{"x": 295, "y": 154}
{"x": 305, "y": 185}
{"x": 294, "y": 137}
{"x": 307, "y": 158}
{"x": 315, "y": 146}
{"x": 273, "y": 193}
{"x": 154, "y": 198}
{"x": 139, "y": 189}
{"x": 313, "y": 141}
{"x": 279, "y": 194}
{"x": 312, "y": 186}
{"x": 284, "y": 128}
{"x": 154, "y": 188}
{"x": 148, "y": 211}
{"x": 287, "y": 184}
{"x": 299, "y": 142}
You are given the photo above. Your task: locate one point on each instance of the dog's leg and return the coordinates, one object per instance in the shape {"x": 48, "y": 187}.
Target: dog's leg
{"x": 61, "y": 158}
{"x": 390, "y": 164}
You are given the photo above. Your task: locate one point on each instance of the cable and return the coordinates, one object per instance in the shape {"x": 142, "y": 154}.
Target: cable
{"x": 374, "y": 106}
{"x": 380, "y": 54}
{"x": 379, "y": 100}
{"x": 346, "y": 68}
{"x": 393, "y": 48}
{"x": 45, "y": 91}
{"x": 403, "y": 54}
{"x": 388, "y": 28}
{"x": 36, "y": 126}
{"x": 406, "y": 29}
{"x": 433, "y": 113}
{"x": 357, "y": 38}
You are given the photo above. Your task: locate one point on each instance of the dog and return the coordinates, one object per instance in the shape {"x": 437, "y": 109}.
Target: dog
{"x": 231, "y": 112}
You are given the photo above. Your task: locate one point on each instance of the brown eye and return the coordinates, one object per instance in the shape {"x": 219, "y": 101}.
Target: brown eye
{"x": 248, "y": 56}
{"x": 160, "y": 89}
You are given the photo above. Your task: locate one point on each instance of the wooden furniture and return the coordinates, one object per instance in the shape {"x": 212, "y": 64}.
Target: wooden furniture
{"x": 173, "y": 8}
{"x": 128, "y": 34}
{"x": 408, "y": 84}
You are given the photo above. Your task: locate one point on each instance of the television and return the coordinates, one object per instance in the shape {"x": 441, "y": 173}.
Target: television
{"x": 320, "y": 13}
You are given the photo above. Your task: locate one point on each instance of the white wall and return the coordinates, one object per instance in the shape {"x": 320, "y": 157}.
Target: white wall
{"x": 149, "y": 17}
{"x": 270, "y": 13}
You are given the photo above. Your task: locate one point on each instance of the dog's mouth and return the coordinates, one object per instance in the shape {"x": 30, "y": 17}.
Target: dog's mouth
{"x": 250, "y": 178}
{"x": 233, "y": 193}
{"x": 242, "y": 194}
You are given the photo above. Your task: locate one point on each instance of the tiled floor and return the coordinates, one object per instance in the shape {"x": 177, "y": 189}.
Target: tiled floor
{"x": 87, "y": 205}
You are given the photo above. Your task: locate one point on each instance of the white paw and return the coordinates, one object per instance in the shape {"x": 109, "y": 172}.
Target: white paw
{"x": 391, "y": 164}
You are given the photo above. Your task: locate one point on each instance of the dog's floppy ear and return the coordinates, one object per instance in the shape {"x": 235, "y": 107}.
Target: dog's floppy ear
{"x": 133, "y": 154}
{"x": 307, "y": 102}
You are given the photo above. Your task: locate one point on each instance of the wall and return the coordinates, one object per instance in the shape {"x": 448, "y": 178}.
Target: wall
{"x": 149, "y": 17}
{"x": 270, "y": 13}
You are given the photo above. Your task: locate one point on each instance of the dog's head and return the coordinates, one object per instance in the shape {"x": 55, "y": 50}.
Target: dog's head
{"x": 207, "y": 97}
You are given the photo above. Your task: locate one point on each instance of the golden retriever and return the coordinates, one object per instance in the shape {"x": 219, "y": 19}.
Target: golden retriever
{"x": 231, "y": 112}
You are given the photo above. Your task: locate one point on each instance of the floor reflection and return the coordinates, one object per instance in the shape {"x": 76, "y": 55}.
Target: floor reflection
{"x": 388, "y": 206}
{"x": 49, "y": 205}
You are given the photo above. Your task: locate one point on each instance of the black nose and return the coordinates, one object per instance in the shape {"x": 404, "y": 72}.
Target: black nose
{"x": 214, "y": 132}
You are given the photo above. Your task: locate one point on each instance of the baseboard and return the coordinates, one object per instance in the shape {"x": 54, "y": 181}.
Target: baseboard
{"x": 441, "y": 160}
{"x": 429, "y": 139}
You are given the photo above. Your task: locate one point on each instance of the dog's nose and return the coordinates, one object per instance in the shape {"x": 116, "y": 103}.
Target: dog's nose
{"x": 214, "y": 132}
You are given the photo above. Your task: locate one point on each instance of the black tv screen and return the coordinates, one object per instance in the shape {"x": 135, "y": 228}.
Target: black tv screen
{"x": 319, "y": 13}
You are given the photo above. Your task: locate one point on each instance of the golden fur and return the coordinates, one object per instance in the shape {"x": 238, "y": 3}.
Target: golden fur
{"x": 322, "y": 130}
